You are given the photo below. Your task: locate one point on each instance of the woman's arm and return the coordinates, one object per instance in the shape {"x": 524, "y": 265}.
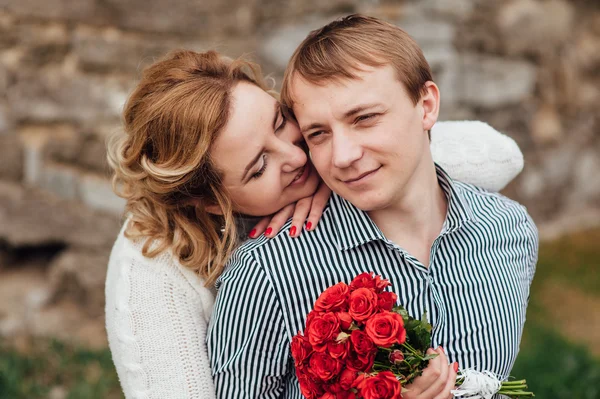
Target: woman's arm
{"x": 156, "y": 327}
{"x": 476, "y": 153}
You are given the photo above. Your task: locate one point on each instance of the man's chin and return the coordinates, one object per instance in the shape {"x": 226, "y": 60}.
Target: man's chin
{"x": 365, "y": 201}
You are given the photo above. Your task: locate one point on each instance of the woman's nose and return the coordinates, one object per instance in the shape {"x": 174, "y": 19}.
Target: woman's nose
{"x": 293, "y": 156}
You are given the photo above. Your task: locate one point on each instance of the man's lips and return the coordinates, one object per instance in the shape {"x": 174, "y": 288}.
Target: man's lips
{"x": 361, "y": 176}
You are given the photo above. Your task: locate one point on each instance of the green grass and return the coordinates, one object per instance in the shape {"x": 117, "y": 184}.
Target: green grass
{"x": 573, "y": 259}
{"x": 555, "y": 366}
{"x": 46, "y": 364}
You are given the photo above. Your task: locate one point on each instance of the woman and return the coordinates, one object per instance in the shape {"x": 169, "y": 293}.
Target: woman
{"x": 205, "y": 144}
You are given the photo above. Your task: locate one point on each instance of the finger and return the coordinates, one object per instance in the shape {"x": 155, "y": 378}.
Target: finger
{"x": 450, "y": 381}
{"x": 441, "y": 367}
{"x": 429, "y": 376}
{"x": 260, "y": 227}
{"x": 300, "y": 213}
{"x": 320, "y": 199}
{"x": 279, "y": 220}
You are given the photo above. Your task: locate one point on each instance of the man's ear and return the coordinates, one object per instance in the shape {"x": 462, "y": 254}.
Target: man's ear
{"x": 430, "y": 102}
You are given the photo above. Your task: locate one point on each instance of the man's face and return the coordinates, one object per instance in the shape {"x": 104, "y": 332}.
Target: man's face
{"x": 366, "y": 137}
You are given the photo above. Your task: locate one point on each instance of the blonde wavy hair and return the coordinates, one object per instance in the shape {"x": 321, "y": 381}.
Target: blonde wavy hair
{"x": 162, "y": 164}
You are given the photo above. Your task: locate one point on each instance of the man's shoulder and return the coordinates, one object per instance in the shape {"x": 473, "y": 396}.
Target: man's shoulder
{"x": 486, "y": 204}
{"x": 269, "y": 253}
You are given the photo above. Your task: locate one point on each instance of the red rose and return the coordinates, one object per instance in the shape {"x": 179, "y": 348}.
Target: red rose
{"x": 347, "y": 378}
{"x": 386, "y": 300}
{"x": 324, "y": 366}
{"x": 386, "y": 329}
{"x": 396, "y": 356}
{"x": 384, "y": 385}
{"x": 359, "y": 379}
{"x": 301, "y": 349}
{"x": 362, "y": 344}
{"x": 345, "y": 320}
{"x": 339, "y": 395}
{"x": 338, "y": 350}
{"x": 309, "y": 388}
{"x": 311, "y": 316}
{"x": 363, "y": 303}
{"x": 363, "y": 280}
{"x": 322, "y": 328}
{"x": 357, "y": 362}
{"x": 333, "y": 299}
{"x": 381, "y": 283}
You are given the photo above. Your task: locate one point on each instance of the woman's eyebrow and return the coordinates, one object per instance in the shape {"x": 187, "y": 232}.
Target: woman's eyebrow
{"x": 277, "y": 110}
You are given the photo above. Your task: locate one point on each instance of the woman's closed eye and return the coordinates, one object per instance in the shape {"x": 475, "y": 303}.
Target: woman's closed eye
{"x": 262, "y": 169}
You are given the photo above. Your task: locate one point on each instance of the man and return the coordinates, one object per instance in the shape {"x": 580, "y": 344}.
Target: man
{"x": 364, "y": 99}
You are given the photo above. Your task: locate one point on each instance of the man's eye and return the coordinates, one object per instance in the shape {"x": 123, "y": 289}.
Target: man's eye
{"x": 366, "y": 117}
{"x": 314, "y": 135}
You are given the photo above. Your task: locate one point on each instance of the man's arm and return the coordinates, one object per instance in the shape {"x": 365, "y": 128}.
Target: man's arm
{"x": 247, "y": 343}
{"x": 532, "y": 235}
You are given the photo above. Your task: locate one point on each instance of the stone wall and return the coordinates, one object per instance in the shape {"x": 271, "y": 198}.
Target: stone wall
{"x": 530, "y": 68}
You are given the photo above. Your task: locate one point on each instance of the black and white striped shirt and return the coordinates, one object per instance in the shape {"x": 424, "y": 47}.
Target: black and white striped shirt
{"x": 475, "y": 290}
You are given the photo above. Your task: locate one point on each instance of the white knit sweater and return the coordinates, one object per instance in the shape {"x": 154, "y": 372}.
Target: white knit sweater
{"x": 157, "y": 311}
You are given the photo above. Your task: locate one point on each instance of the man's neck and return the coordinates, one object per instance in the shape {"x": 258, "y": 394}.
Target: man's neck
{"x": 415, "y": 220}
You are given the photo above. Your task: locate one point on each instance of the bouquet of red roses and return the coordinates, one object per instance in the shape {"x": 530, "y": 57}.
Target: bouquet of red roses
{"x": 358, "y": 344}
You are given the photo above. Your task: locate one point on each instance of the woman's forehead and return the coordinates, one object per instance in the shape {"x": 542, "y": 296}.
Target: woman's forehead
{"x": 250, "y": 123}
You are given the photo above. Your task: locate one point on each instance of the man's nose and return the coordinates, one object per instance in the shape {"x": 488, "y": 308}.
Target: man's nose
{"x": 346, "y": 149}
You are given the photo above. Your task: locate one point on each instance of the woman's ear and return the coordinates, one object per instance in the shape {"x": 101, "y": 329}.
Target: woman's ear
{"x": 214, "y": 209}
{"x": 208, "y": 206}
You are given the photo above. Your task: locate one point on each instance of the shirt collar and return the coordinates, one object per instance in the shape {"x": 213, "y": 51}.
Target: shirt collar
{"x": 459, "y": 210}
{"x": 355, "y": 227}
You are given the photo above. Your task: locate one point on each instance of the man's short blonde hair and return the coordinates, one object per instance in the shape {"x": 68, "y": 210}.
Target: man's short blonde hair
{"x": 337, "y": 50}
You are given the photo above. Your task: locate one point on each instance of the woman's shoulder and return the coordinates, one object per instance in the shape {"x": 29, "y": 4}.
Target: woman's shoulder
{"x": 128, "y": 263}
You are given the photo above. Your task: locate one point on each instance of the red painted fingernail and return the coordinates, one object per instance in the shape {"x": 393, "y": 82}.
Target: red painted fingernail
{"x": 251, "y": 235}
{"x": 269, "y": 230}
{"x": 308, "y": 225}
{"x": 456, "y": 367}
{"x": 442, "y": 349}
{"x": 293, "y": 231}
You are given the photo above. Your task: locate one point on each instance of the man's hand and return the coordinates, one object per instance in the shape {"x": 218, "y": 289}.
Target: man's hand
{"x": 437, "y": 380}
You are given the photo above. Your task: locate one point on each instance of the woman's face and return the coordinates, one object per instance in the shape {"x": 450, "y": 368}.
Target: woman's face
{"x": 261, "y": 155}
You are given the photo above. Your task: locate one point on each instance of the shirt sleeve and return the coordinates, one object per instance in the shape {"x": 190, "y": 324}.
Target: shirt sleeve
{"x": 247, "y": 342}
{"x": 533, "y": 242}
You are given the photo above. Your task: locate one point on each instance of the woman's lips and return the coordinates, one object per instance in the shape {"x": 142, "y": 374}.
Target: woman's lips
{"x": 302, "y": 176}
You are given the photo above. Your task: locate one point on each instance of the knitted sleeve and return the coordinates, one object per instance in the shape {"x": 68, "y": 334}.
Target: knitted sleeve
{"x": 156, "y": 320}
{"x": 476, "y": 153}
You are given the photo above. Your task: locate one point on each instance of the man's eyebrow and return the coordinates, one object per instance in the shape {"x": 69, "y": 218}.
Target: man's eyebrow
{"x": 249, "y": 166}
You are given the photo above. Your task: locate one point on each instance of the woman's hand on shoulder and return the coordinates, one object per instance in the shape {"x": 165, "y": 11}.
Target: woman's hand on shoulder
{"x": 307, "y": 210}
